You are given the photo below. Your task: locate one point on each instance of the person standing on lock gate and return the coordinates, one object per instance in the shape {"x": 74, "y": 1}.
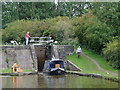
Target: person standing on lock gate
{"x": 79, "y": 51}
{"x": 27, "y": 38}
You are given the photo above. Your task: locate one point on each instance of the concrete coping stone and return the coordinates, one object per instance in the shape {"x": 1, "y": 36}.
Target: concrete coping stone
{"x": 19, "y": 74}
{"x": 94, "y": 75}
{"x": 74, "y": 65}
{"x": 16, "y": 47}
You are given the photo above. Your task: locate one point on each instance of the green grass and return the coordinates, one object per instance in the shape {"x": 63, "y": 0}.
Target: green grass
{"x": 6, "y": 70}
{"x": 100, "y": 60}
{"x": 7, "y": 45}
{"x": 83, "y": 63}
{"x": 10, "y": 71}
{"x": 87, "y": 65}
{"x": 27, "y": 70}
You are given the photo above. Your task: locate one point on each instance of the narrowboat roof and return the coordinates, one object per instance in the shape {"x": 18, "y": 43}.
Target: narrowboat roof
{"x": 56, "y": 60}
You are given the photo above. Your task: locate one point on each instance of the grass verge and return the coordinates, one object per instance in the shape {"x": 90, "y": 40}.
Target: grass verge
{"x": 88, "y": 66}
{"x": 10, "y": 71}
{"x": 100, "y": 60}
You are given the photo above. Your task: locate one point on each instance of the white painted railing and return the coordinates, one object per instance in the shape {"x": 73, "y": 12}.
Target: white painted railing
{"x": 41, "y": 40}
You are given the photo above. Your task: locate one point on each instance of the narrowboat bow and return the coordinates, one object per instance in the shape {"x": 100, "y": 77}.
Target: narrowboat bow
{"x": 54, "y": 67}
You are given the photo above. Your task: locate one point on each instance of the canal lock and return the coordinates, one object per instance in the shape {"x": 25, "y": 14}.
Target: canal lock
{"x": 43, "y": 53}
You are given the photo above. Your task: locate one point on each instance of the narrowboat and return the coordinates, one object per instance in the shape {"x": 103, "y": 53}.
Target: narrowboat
{"x": 54, "y": 67}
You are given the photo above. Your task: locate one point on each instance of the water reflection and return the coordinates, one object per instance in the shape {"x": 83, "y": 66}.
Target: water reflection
{"x": 47, "y": 81}
{"x": 17, "y": 82}
{"x": 55, "y": 81}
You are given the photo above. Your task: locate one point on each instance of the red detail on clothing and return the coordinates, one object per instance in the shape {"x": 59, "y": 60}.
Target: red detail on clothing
{"x": 27, "y": 35}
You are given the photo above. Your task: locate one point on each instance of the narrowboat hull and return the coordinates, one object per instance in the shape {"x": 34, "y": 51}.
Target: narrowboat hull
{"x": 58, "y": 71}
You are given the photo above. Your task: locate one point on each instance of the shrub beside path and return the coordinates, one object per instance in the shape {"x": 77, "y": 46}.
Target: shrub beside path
{"x": 99, "y": 65}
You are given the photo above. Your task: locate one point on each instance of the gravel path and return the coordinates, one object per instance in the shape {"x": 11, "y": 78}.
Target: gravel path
{"x": 99, "y": 65}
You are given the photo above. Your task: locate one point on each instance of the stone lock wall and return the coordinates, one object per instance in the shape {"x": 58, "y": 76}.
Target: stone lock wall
{"x": 16, "y": 54}
{"x": 33, "y": 56}
{"x": 41, "y": 56}
{"x": 61, "y": 51}
{"x": 3, "y": 63}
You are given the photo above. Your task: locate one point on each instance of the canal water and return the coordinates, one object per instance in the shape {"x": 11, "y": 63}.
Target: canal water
{"x": 47, "y": 81}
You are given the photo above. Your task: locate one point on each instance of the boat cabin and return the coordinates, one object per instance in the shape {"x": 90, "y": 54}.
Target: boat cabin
{"x": 56, "y": 64}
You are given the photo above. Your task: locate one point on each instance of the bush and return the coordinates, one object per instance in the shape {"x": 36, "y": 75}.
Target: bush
{"x": 112, "y": 53}
{"x": 70, "y": 42}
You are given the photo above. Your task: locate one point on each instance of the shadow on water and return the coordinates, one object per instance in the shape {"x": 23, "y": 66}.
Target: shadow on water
{"x": 43, "y": 80}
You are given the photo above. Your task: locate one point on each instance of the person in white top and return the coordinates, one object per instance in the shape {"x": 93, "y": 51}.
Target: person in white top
{"x": 53, "y": 57}
{"x": 79, "y": 51}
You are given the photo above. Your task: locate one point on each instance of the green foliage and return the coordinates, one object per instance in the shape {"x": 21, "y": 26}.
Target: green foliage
{"x": 112, "y": 53}
{"x": 16, "y": 62}
{"x": 17, "y": 30}
{"x": 5, "y": 50}
{"x": 6, "y": 60}
{"x": 58, "y": 28}
{"x": 91, "y": 32}
{"x": 13, "y": 11}
{"x": 70, "y": 41}
{"x": 108, "y": 13}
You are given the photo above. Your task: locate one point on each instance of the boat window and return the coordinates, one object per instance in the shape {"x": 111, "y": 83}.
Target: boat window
{"x": 62, "y": 65}
{"x": 52, "y": 65}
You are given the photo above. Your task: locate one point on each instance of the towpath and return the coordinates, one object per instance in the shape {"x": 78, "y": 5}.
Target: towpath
{"x": 100, "y": 68}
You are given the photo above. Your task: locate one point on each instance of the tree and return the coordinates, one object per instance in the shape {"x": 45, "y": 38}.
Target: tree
{"x": 26, "y": 10}
{"x": 91, "y": 32}
{"x": 108, "y": 13}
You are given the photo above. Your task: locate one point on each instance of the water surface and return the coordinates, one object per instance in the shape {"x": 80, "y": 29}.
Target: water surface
{"x": 47, "y": 81}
